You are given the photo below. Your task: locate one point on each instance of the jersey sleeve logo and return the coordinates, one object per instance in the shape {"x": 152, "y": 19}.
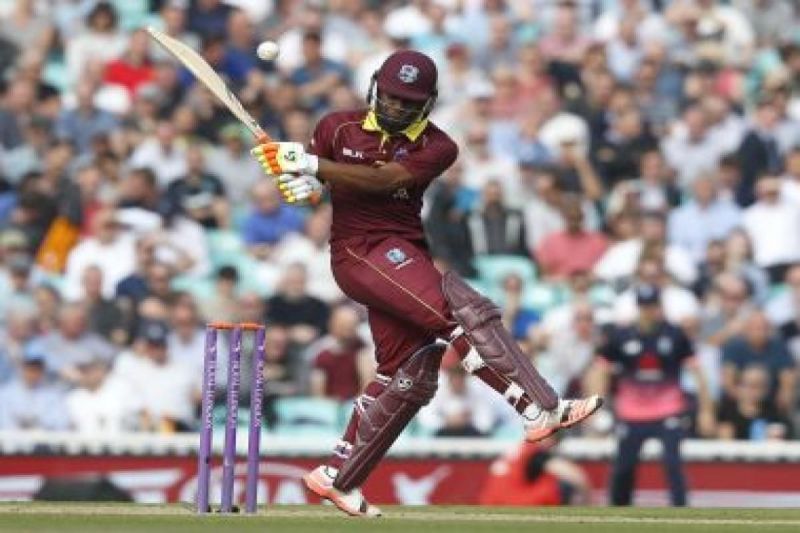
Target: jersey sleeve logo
{"x": 408, "y": 73}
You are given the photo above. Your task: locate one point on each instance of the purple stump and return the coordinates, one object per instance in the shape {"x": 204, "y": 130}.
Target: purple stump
{"x": 254, "y": 435}
{"x": 206, "y": 420}
{"x": 232, "y": 407}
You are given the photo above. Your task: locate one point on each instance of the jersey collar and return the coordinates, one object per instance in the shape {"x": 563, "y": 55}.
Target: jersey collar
{"x": 412, "y": 132}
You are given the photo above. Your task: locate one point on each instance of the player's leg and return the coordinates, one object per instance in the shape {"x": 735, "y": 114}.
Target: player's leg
{"x": 630, "y": 437}
{"x": 671, "y": 434}
{"x": 369, "y": 433}
{"x": 484, "y": 343}
{"x": 400, "y": 279}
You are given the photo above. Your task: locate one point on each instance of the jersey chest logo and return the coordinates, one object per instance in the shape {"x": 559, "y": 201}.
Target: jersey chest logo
{"x": 632, "y": 347}
{"x": 349, "y": 152}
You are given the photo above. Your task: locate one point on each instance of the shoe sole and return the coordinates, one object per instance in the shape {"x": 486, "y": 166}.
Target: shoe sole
{"x": 313, "y": 486}
{"x": 536, "y": 435}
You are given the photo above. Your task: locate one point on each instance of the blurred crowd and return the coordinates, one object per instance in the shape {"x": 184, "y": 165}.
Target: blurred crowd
{"x": 604, "y": 143}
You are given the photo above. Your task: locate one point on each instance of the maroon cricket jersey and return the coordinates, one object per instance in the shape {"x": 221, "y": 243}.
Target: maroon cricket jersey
{"x": 343, "y": 137}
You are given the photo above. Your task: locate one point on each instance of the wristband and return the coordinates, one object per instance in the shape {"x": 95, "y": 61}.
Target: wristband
{"x": 313, "y": 164}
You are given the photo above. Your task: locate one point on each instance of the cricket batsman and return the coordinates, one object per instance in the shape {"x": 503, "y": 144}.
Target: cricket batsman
{"x": 376, "y": 164}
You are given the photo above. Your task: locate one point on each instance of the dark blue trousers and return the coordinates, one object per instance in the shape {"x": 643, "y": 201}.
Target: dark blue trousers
{"x": 631, "y": 438}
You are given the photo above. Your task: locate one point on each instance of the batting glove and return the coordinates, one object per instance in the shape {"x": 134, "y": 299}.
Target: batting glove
{"x": 300, "y": 190}
{"x": 278, "y": 158}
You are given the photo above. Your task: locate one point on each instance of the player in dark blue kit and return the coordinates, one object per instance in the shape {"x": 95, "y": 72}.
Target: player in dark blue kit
{"x": 647, "y": 358}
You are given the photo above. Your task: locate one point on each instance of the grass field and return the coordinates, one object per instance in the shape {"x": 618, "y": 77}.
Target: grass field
{"x": 89, "y": 517}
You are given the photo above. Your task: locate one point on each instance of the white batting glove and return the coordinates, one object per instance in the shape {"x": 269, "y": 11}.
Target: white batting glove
{"x": 278, "y": 158}
{"x": 300, "y": 190}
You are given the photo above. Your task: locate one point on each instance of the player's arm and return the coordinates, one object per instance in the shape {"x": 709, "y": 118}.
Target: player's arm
{"x": 285, "y": 158}
{"x": 384, "y": 179}
{"x": 598, "y": 377}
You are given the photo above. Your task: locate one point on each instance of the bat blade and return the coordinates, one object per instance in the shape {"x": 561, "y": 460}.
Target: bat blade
{"x": 208, "y": 77}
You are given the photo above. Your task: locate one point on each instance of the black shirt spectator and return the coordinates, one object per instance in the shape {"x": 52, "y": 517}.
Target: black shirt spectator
{"x": 292, "y": 307}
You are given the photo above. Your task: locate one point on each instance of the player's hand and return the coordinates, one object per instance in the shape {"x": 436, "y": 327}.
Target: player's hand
{"x": 299, "y": 190}
{"x": 278, "y": 158}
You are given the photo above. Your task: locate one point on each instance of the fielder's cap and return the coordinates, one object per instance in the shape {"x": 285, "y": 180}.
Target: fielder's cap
{"x": 154, "y": 332}
{"x": 647, "y": 294}
{"x": 408, "y": 74}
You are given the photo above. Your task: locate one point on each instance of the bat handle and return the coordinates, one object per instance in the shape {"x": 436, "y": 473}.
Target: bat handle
{"x": 263, "y": 138}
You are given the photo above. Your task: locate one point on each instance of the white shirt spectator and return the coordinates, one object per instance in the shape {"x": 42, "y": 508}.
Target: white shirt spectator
{"x": 484, "y": 414}
{"x": 690, "y": 158}
{"x": 108, "y": 409}
{"x": 620, "y": 262}
{"x": 165, "y": 391}
{"x": 297, "y": 248}
{"x": 238, "y": 172}
{"x": 89, "y": 47}
{"x": 693, "y": 226}
{"x": 773, "y": 230}
{"x": 564, "y": 359}
{"x": 679, "y": 305}
{"x": 116, "y": 260}
{"x": 168, "y": 165}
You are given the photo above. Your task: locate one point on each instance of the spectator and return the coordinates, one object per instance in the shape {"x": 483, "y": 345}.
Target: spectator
{"x": 161, "y": 154}
{"x": 186, "y": 338}
{"x": 480, "y": 166}
{"x": 17, "y": 107}
{"x": 617, "y": 156}
{"x": 81, "y": 124}
{"x": 750, "y": 415}
{"x": 19, "y": 329}
{"x": 105, "y": 318}
{"x": 30, "y": 402}
{"x": 208, "y": 17}
{"x": 232, "y": 163}
{"x": 564, "y": 43}
{"x": 620, "y": 260}
{"x": 270, "y": 220}
{"x": 771, "y": 225}
{"x": 783, "y": 309}
{"x": 283, "y": 370}
{"x": 739, "y": 260}
{"x": 518, "y": 317}
{"x": 680, "y": 305}
{"x": 705, "y": 218}
{"x": 494, "y": 228}
{"x": 444, "y": 224}
{"x": 312, "y": 250}
{"x": 101, "y": 404}
{"x": 71, "y": 345}
{"x": 690, "y": 150}
{"x": 100, "y": 43}
{"x": 340, "y": 361}
{"x": 317, "y": 76}
{"x": 305, "y": 317}
{"x": 759, "y": 345}
{"x": 109, "y": 248}
{"x": 165, "y": 387}
{"x": 134, "y": 68}
{"x": 223, "y": 303}
{"x": 460, "y": 407}
{"x": 198, "y": 194}
{"x": 759, "y": 152}
{"x": 26, "y": 28}
{"x": 566, "y": 351}
{"x": 727, "y": 310}
{"x": 572, "y": 250}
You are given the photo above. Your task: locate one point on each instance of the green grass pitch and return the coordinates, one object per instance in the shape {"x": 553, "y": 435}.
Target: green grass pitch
{"x": 100, "y": 517}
